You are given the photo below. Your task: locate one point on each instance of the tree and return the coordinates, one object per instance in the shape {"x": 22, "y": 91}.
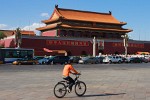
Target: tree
{"x": 1, "y": 46}
{"x": 2, "y": 35}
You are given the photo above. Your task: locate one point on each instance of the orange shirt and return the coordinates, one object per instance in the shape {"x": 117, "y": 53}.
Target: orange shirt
{"x": 67, "y": 69}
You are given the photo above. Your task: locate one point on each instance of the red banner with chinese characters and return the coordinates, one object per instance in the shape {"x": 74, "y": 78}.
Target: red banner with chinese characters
{"x": 134, "y": 45}
{"x": 67, "y": 42}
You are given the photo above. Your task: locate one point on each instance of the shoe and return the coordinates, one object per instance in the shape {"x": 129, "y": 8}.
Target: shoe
{"x": 68, "y": 89}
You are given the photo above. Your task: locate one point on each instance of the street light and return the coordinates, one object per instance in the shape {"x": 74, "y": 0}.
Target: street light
{"x": 125, "y": 43}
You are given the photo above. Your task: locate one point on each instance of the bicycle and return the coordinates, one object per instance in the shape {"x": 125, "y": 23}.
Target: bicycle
{"x": 61, "y": 88}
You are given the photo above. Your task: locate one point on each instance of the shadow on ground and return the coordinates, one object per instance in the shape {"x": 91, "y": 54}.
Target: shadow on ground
{"x": 97, "y": 95}
{"x": 106, "y": 94}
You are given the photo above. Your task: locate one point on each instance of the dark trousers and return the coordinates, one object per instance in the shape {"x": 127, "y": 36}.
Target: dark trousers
{"x": 71, "y": 81}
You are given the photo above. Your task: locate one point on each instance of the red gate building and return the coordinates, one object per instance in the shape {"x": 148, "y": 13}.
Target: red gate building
{"x": 73, "y": 31}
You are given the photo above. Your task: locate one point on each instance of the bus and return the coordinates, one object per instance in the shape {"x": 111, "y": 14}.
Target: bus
{"x": 8, "y": 55}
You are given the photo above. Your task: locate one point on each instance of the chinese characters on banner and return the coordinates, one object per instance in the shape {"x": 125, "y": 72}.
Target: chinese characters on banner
{"x": 135, "y": 45}
{"x": 67, "y": 42}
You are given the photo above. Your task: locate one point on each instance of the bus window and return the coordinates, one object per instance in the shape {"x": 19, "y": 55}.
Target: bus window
{"x": 16, "y": 54}
{"x": 30, "y": 54}
{"x": 9, "y": 54}
{"x": 23, "y": 54}
{"x": 12, "y": 54}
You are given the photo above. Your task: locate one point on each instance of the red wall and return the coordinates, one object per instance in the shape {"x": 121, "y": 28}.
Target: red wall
{"x": 112, "y": 47}
{"x": 50, "y": 33}
{"x": 39, "y": 44}
{"x": 8, "y": 43}
{"x": 70, "y": 46}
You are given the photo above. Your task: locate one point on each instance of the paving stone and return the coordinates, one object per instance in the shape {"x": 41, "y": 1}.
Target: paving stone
{"x": 104, "y": 82}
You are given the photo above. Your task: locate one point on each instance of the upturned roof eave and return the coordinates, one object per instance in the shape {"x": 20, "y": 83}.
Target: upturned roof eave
{"x": 49, "y": 21}
{"x": 48, "y": 27}
{"x": 62, "y": 18}
{"x": 53, "y": 20}
{"x": 84, "y": 28}
{"x": 95, "y": 28}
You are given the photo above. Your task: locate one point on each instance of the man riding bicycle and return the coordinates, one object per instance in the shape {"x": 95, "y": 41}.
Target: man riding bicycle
{"x": 68, "y": 68}
{"x": 62, "y": 87}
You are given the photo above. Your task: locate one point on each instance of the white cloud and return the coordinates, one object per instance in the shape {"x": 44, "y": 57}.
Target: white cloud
{"x": 3, "y": 26}
{"x": 44, "y": 14}
{"x": 33, "y": 26}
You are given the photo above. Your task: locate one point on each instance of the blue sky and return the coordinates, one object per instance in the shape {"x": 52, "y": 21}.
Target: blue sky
{"x": 27, "y": 14}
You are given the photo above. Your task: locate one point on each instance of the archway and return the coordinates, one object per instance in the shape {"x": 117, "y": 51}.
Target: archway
{"x": 83, "y": 53}
{"x": 116, "y": 52}
{"x": 101, "y": 51}
{"x": 69, "y": 53}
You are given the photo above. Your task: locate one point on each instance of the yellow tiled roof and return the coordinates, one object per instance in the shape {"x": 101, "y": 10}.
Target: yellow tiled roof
{"x": 82, "y": 16}
{"x": 60, "y": 14}
{"x": 87, "y": 16}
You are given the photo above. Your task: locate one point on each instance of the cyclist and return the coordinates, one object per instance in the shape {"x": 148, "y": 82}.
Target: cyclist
{"x": 68, "y": 68}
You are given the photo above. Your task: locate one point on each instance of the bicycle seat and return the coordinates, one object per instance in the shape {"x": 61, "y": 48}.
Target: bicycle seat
{"x": 66, "y": 81}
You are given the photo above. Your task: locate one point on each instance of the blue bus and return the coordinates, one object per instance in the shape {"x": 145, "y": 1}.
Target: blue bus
{"x": 8, "y": 55}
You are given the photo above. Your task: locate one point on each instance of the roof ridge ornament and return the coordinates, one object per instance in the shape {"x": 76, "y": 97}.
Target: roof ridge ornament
{"x": 110, "y": 12}
{"x": 56, "y": 6}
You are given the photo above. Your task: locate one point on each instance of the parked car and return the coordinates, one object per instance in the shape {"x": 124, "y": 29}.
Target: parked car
{"x": 148, "y": 58}
{"x": 144, "y": 59}
{"x": 1, "y": 62}
{"x": 25, "y": 61}
{"x": 112, "y": 59}
{"x": 38, "y": 57}
{"x": 86, "y": 60}
{"x": 100, "y": 59}
{"x": 134, "y": 60}
{"x": 43, "y": 60}
{"x": 58, "y": 59}
{"x": 74, "y": 59}
{"x": 124, "y": 60}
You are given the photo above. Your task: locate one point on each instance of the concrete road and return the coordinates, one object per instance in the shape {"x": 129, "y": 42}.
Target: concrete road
{"x": 104, "y": 82}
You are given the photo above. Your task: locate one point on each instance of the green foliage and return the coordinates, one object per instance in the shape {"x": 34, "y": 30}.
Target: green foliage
{"x": 2, "y": 35}
{"x": 1, "y": 46}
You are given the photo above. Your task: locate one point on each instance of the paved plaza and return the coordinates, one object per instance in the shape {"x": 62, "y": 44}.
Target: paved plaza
{"x": 104, "y": 82}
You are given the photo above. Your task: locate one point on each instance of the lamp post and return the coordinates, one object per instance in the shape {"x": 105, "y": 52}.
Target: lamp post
{"x": 125, "y": 43}
{"x": 94, "y": 47}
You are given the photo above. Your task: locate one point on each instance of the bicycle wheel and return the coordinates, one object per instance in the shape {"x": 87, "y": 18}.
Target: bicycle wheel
{"x": 80, "y": 88}
{"x": 60, "y": 90}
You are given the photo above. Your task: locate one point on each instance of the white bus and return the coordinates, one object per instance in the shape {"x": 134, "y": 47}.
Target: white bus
{"x": 8, "y": 55}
